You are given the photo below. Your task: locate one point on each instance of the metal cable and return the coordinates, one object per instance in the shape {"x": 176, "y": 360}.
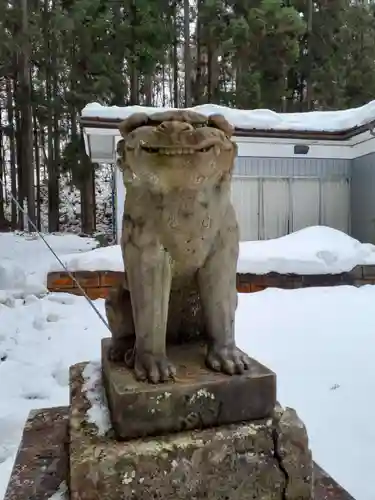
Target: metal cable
{"x": 98, "y": 313}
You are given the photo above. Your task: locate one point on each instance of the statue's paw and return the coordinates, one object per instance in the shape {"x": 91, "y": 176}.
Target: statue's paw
{"x": 154, "y": 368}
{"x": 226, "y": 359}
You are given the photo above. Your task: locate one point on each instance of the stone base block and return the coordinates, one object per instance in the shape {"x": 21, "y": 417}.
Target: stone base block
{"x": 199, "y": 397}
{"x": 41, "y": 467}
{"x": 264, "y": 460}
{"x": 42, "y": 474}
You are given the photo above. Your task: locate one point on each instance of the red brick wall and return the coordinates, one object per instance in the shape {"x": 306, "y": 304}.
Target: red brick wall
{"x": 97, "y": 283}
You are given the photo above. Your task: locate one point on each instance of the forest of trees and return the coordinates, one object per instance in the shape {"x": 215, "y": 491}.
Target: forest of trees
{"x": 58, "y": 55}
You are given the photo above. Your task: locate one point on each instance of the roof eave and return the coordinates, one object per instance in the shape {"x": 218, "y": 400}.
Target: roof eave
{"x": 342, "y": 135}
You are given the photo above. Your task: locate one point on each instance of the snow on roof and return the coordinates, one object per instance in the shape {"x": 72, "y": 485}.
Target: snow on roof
{"x": 313, "y": 250}
{"x": 255, "y": 119}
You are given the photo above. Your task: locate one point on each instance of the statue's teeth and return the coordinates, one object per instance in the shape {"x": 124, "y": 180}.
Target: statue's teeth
{"x": 177, "y": 151}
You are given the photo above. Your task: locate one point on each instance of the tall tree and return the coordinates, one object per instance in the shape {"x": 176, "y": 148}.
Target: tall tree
{"x": 57, "y": 56}
{"x": 187, "y": 54}
{"x": 25, "y": 110}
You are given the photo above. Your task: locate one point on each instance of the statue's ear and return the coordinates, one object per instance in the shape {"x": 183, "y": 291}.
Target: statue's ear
{"x": 133, "y": 122}
{"x": 218, "y": 121}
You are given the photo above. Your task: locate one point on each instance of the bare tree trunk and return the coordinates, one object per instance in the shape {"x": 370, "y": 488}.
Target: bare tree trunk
{"x": 19, "y": 161}
{"x": 87, "y": 195}
{"x": 37, "y": 168}
{"x": 134, "y": 90}
{"x": 176, "y": 96}
{"x": 56, "y": 159}
{"x": 198, "y": 90}
{"x": 53, "y": 184}
{"x": 43, "y": 149}
{"x": 210, "y": 72}
{"x": 148, "y": 89}
{"x": 12, "y": 144}
{"x": 163, "y": 85}
{"x": 309, "y": 54}
{"x": 187, "y": 54}
{"x": 26, "y": 116}
{"x": 3, "y": 223}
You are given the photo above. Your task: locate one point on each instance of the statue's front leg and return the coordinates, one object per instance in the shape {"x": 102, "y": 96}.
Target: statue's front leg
{"x": 120, "y": 321}
{"x": 149, "y": 279}
{"x": 217, "y": 287}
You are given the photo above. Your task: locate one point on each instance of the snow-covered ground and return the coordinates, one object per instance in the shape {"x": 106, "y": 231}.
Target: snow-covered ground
{"x": 313, "y": 250}
{"x": 261, "y": 119}
{"x": 317, "y": 340}
{"x": 25, "y": 259}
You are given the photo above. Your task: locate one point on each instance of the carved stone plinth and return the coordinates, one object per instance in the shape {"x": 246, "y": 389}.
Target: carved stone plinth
{"x": 41, "y": 467}
{"x": 199, "y": 398}
{"x": 268, "y": 459}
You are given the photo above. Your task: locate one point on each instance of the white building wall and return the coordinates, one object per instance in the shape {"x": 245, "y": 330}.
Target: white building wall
{"x": 363, "y": 198}
{"x": 272, "y": 207}
{"x": 276, "y": 195}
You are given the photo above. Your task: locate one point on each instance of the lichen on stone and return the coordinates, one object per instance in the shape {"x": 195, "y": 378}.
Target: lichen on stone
{"x": 201, "y": 393}
{"x": 128, "y": 477}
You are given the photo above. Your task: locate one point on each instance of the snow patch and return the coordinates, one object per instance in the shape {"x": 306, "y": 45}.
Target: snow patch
{"x": 25, "y": 260}
{"x": 61, "y": 493}
{"x": 319, "y": 341}
{"x": 313, "y": 250}
{"x": 35, "y": 356}
{"x": 98, "y": 414}
{"x": 258, "y": 119}
{"x": 99, "y": 259}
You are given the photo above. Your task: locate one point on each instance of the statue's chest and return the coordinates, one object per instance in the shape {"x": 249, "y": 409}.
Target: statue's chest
{"x": 187, "y": 231}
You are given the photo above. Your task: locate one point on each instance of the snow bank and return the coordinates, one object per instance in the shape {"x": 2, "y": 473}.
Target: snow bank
{"x": 321, "y": 344}
{"x": 261, "y": 119}
{"x": 39, "y": 340}
{"x": 25, "y": 259}
{"x": 313, "y": 250}
{"x": 99, "y": 259}
{"x": 319, "y": 341}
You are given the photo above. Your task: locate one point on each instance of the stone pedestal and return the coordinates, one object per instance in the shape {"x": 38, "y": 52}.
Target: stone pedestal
{"x": 235, "y": 444}
{"x": 267, "y": 459}
{"x": 42, "y": 463}
{"x": 41, "y": 468}
{"x": 199, "y": 398}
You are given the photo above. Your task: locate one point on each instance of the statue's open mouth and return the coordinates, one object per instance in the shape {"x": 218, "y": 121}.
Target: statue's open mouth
{"x": 173, "y": 150}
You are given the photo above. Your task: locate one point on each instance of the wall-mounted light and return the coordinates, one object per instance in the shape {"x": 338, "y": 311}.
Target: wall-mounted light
{"x": 301, "y": 149}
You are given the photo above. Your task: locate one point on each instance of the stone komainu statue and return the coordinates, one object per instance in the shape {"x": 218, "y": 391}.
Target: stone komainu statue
{"x": 180, "y": 243}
